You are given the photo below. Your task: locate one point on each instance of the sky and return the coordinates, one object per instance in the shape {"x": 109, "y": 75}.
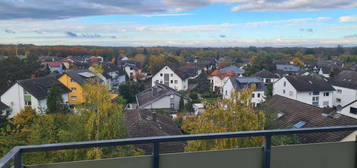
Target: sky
{"x": 180, "y": 23}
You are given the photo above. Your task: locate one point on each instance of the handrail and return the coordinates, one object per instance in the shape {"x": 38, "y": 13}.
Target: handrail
{"x": 16, "y": 153}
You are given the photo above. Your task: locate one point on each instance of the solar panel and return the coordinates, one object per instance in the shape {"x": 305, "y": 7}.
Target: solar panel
{"x": 299, "y": 124}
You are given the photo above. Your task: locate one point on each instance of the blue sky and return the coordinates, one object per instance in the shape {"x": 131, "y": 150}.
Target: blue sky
{"x": 184, "y": 23}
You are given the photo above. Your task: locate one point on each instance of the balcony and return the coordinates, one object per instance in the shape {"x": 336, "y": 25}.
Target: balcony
{"x": 322, "y": 155}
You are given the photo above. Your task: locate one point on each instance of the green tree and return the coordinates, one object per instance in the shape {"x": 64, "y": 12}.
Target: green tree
{"x": 55, "y": 102}
{"x": 129, "y": 89}
{"x": 236, "y": 114}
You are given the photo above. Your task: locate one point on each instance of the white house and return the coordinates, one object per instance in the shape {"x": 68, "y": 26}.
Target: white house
{"x": 349, "y": 110}
{"x": 114, "y": 76}
{"x": 131, "y": 68}
{"x": 310, "y": 89}
{"x": 237, "y": 83}
{"x": 267, "y": 76}
{"x": 160, "y": 97}
{"x": 32, "y": 93}
{"x": 219, "y": 77}
{"x": 345, "y": 84}
{"x": 4, "y": 109}
{"x": 171, "y": 77}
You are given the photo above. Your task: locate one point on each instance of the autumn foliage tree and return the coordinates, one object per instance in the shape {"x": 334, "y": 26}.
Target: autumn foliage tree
{"x": 235, "y": 114}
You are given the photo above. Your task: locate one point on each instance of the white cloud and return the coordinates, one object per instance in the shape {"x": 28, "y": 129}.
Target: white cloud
{"x": 287, "y": 21}
{"x": 348, "y": 19}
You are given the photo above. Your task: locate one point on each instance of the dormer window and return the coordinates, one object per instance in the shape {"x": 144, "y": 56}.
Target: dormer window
{"x": 284, "y": 84}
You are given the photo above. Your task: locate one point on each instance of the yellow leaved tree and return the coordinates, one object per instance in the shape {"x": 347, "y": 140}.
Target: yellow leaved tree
{"x": 227, "y": 115}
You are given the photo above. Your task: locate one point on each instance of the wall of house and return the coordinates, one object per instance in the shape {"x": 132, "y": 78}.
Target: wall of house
{"x": 14, "y": 98}
{"x": 78, "y": 93}
{"x": 284, "y": 90}
{"x": 324, "y": 101}
{"x": 228, "y": 89}
{"x": 217, "y": 82}
{"x": 347, "y": 110}
{"x": 165, "y": 103}
{"x": 174, "y": 81}
{"x": 346, "y": 96}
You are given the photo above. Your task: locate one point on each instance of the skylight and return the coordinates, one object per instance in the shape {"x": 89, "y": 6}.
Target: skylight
{"x": 299, "y": 124}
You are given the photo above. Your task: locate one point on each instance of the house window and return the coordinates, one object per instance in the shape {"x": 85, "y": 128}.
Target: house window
{"x": 161, "y": 74}
{"x": 74, "y": 98}
{"x": 299, "y": 124}
{"x": 315, "y": 99}
{"x": 74, "y": 89}
{"x": 267, "y": 80}
{"x": 226, "y": 92}
{"x": 171, "y": 75}
{"x": 172, "y": 105}
{"x": 316, "y": 93}
{"x": 176, "y": 81}
{"x": 253, "y": 95}
{"x": 353, "y": 110}
{"x": 172, "y": 97}
{"x": 171, "y": 81}
{"x": 258, "y": 95}
{"x": 284, "y": 83}
{"x": 338, "y": 100}
{"x": 339, "y": 91}
{"x": 326, "y": 94}
{"x": 284, "y": 91}
{"x": 27, "y": 99}
{"x": 161, "y": 82}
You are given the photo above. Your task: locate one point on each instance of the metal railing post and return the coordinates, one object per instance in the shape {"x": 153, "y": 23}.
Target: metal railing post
{"x": 267, "y": 151}
{"x": 156, "y": 155}
{"x": 18, "y": 160}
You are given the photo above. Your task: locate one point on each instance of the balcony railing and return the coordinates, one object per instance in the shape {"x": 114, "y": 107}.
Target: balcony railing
{"x": 16, "y": 153}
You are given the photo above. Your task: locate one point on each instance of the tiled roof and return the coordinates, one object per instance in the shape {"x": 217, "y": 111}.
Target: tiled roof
{"x": 294, "y": 112}
{"x": 39, "y": 87}
{"x": 142, "y": 123}
{"x": 309, "y": 83}
{"x": 232, "y": 68}
{"x": 245, "y": 82}
{"x": 155, "y": 93}
{"x": 347, "y": 79}
{"x": 265, "y": 74}
{"x": 75, "y": 75}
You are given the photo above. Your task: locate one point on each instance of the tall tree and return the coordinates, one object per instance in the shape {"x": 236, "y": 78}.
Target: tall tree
{"x": 236, "y": 114}
{"x": 55, "y": 102}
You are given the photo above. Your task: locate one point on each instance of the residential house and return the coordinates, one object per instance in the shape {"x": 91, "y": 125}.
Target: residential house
{"x": 160, "y": 96}
{"x": 219, "y": 77}
{"x": 132, "y": 69}
{"x": 198, "y": 108}
{"x": 75, "y": 81}
{"x": 32, "y": 93}
{"x": 310, "y": 89}
{"x": 4, "y": 109}
{"x": 149, "y": 123}
{"x": 287, "y": 68}
{"x": 267, "y": 76}
{"x": 238, "y": 83}
{"x": 295, "y": 114}
{"x": 114, "y": 75}
{"x": 345, "y": 84}
{"x": 172, "y": 77}
{"x": 57, "y": 67}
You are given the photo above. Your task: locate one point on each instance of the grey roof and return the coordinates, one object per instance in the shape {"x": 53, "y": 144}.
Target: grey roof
{"x": 312, "y": 83}
{"x": 347, "y": 79}
{"x": 146, "y": 123}
{"x": 39, "y": 87}
{"x": 129, "y": 63}
{"x": 294, "y": 112}
{"x": 112, "y": 68}
{"x": 155, "y": 93}
{"x": 182, "y": 73}
{"x": 232, "y": 68}
{"x": 81, "y": 79}
{"x": 3, "y": 106}
{"x": 245, "y": 82}
{"x": 287, "y": 67}
{"x": 265, "y": 74}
